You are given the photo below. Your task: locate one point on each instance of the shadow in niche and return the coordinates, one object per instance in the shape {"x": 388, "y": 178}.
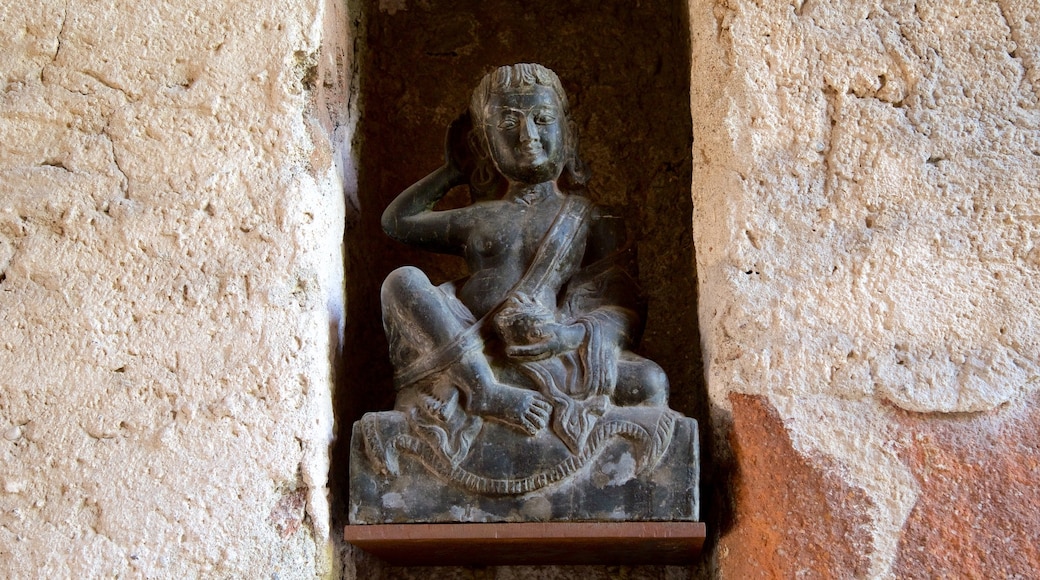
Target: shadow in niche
{"x": 626, "y": 71}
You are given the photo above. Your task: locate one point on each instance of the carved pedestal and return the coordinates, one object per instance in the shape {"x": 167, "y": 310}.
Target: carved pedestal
{"x": 638, "y": 464}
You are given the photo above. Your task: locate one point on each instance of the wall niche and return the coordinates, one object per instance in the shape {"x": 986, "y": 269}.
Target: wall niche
{"x": 625, "y": 66}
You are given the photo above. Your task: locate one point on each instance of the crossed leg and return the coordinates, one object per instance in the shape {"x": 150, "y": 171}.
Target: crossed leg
{"x": 419, "y": 320}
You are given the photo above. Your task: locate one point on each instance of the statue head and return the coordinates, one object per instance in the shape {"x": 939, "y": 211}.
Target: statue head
{"x": 523, "y": 86}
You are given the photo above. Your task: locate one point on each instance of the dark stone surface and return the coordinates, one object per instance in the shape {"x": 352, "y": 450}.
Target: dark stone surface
{"x": 636, "y": 140}
{"x": 516, "y": 385}
{"x": 628, "y": 86}
{"x": 605, "y": 489}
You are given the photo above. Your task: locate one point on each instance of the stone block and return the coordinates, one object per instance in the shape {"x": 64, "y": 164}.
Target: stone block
{"x": 533, "y": 479}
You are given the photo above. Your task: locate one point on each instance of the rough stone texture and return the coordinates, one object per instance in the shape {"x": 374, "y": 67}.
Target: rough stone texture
{"x": 170, "y": 218}
{"x": 793, "y": 513}
{"x": 866, "y": 179}
{"x": 979, "y": 496}
{"x": 975, "y": 516}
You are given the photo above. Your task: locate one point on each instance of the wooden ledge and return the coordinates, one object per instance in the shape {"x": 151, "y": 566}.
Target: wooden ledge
{"x": 530, "y": 543}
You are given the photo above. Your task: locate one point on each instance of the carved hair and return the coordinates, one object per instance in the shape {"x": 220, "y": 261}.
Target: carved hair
{"x": 486, "y": 182}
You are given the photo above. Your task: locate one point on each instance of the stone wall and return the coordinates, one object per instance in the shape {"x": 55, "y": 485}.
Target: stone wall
{"x": 867, "y": 223}
{"x": 170, "y": 283}
{"x": 866, "y": 178}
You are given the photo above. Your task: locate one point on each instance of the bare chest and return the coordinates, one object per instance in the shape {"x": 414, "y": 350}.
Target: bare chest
{"x": 510, "y": 235}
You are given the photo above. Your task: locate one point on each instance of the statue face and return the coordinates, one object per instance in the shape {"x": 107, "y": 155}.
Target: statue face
{"x": 525, "y": 132}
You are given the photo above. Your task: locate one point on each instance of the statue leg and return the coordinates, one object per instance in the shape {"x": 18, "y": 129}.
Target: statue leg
{"x": 420, "y": 319}
{"x": 640, "y": 382}
{"x": 415, "y": 310}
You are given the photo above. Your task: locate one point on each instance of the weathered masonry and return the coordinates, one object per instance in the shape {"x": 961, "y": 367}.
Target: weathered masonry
{"x": 837, "y": 210}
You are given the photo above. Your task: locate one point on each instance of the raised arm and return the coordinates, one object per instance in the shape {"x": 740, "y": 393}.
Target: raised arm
{"x": 410, "y": 217}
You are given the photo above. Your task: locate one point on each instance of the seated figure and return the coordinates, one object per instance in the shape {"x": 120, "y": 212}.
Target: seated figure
{"x": 516, "y": 385}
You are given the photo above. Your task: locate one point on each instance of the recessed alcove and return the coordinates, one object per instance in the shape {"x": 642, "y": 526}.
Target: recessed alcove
{"x": 625, "y": 66}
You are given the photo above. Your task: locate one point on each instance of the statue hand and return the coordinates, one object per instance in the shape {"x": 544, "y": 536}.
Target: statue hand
{"x": 457, "y": 154}
{"x": 521, "y": 409}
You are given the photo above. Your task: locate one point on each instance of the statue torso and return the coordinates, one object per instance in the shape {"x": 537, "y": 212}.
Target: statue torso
{"x": 503, "y": 239}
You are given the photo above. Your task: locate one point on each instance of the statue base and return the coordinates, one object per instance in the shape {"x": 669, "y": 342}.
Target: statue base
{"x": 637, "y": 464}
{"x": 531, "y": 544}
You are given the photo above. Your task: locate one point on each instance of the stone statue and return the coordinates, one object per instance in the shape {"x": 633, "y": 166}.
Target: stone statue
{"x": 518, "y": 397}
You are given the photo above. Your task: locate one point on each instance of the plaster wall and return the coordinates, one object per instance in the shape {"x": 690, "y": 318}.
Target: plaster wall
{"x": 865, "y": 188}
{"x": 171, "y": 215}
{"x": 866, "y": 192}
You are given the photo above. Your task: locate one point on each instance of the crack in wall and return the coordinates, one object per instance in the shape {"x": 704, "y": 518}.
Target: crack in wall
{"x": 108, "y": 83}
{"x": 59, "y": 42}
{"x": 61, "y": 32}
{"x": 124, "y": 183}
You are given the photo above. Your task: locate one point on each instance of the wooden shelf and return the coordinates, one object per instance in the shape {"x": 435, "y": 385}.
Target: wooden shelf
{"x": 530, "y": 543}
